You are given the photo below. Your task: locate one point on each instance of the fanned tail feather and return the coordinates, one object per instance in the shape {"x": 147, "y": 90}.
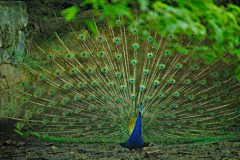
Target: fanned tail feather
{"x": 89, "y": 87}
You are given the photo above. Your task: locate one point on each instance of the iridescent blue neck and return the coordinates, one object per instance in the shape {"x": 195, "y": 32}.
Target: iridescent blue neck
{"x": 135, "y": 140}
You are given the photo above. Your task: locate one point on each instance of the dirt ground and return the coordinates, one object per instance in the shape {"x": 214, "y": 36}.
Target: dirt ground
{"x": 14, "y": 146}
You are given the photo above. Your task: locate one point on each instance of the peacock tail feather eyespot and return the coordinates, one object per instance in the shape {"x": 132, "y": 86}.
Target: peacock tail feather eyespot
{"x": 176, "y": 94}
{"x": 162, "y": 66}
{"x": 203, "y": 82}
{"x": 45, "y": 121}
{"x": 50, "y": 56}
{"x": 171, "y": 131}
{"x": 156, "y": 82}
{"x": 82, "y": 37}
{"x": 204, "y": 97}
{"x": 105, "y": 97}
{"x": 189, "y": 108}
{"x": 110, "y": 84}
{"x": 118, "y": 22}
{"x": 90, "y": 70}
{"x": 167, "y": 52}
{"x": 217, "y": 99}
{"x": 179, "y": 65}
{"x": 101, "y": 54}
{"x": 82, "y": 120}
{"x": 135, "y": 46}
{"x": 217, "y": 84}
{"x": 221, "y": 131}
{"x": 187, "y": 81}
{"x": 104, "y": 69}
{"x": 64, "y": 101}
{"x": 73, "y": 71}
{"x": 118, "y": 100}
{"x": 41, "y": 77}
{"x": 194, "y": 122}
{"x": 88, "y": 127}
{"x": 55, "y": 119}
{"x": 94, "y": 83}
{"x": 147, "y": 98}
{"x": 200, "y": 111}
{"x": 226, "y": 91}
{"x": 150, "y": 55}
{"x": 118, "y": 56}
{"x": 161, "y": 95}
{"x": 91, "y": 108}
{"x": 117, "y": 40}
{"x": 118, "y": 74}
{"x": 24, "y": 83}
{"x": 162, "y": 106}
{"x": 134, "y": 31}
{"x": 66, "y": 86}
{"x": 150, "y": 39}
{"x": 123, "y": 87}
{"x": 175, "y": 105}
{"x": 225, "y": 74}
{"x": 215, "y": 74}
{"x": 191, "y": 97}
{"x": 238, "y": 110}
{"x": 65, "y": 113}
{"x": 24, "y": 100}
{"x": 178, "y": 126}
{"x": 184, "y": 120}
{"x": 150, "y": 109}
{"x": 195, "y": 67}
{"x": 133, "y": 96}
{"x": 69, "y": 56}
{"x": 133, "y": 62}
{"x": 203, "y": 126}
{"x": 80, "y": 84}
{"x": 132, "y": 80}
{"x": 145, "y": 72}
{"x": 172, "y": 81}
{"x": 100, "y": 39}
{"x": 84, "y": 54}
{"x": 104, "y": 108}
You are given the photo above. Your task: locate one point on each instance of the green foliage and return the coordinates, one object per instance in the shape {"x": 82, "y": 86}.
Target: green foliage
{"x": 111, "y": 10}
{"x": 70, "y": 13}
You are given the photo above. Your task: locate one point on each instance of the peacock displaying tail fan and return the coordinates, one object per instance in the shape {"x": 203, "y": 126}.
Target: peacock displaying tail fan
{"x": 93, "y": 87}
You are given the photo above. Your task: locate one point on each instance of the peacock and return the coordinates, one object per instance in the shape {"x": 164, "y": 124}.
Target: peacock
{"x": 122, "y": 86}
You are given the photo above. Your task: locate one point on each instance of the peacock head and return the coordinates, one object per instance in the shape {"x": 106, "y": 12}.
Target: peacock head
{"x": 141, "y": 109}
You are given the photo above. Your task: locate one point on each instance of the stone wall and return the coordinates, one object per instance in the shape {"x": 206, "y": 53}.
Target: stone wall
{"x": 13, "y": 23}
